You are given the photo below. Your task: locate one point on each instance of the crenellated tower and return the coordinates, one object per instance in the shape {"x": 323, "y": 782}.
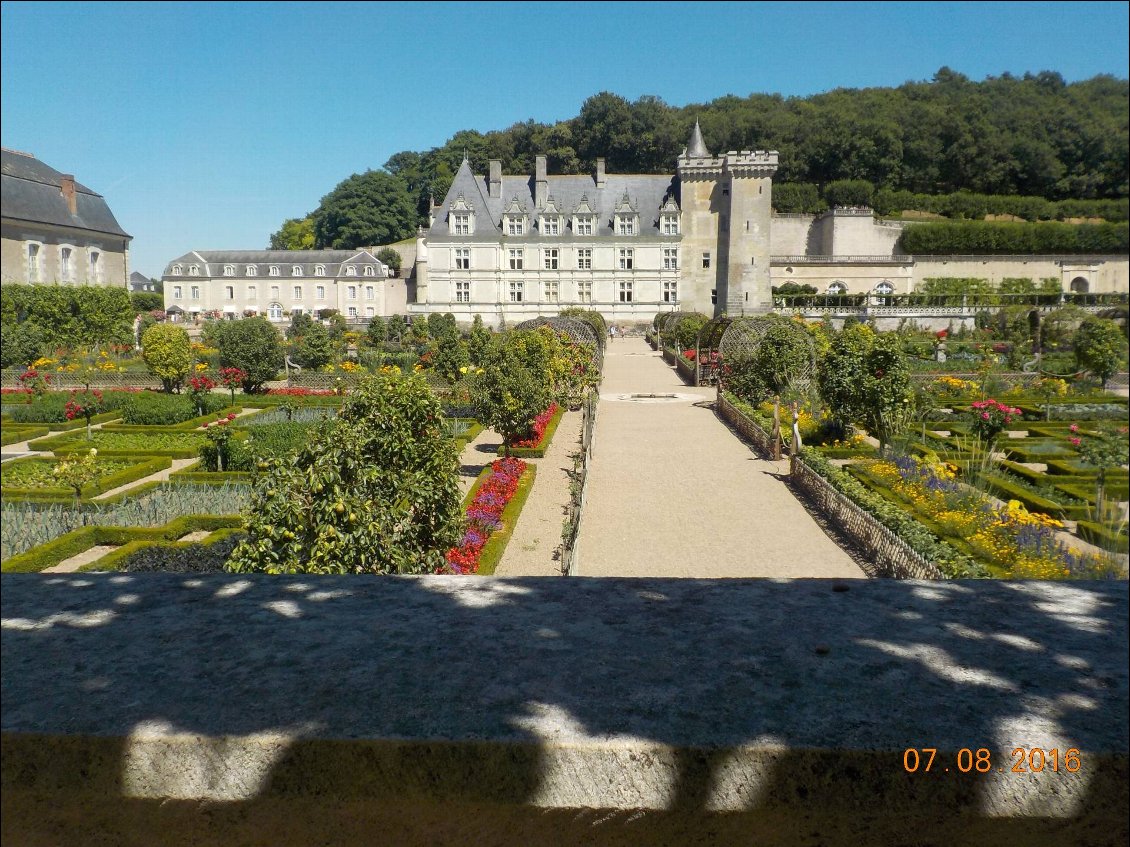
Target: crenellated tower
{"x": 727, "y": 209}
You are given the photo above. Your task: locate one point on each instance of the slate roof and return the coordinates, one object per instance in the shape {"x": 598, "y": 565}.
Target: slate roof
{"x": 31, "y": 192}
{"x": 212, "y": 262}
{"x": 646, "y": 192}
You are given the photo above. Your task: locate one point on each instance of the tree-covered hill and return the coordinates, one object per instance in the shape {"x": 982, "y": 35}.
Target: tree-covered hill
{"x": 1034, "y": 136}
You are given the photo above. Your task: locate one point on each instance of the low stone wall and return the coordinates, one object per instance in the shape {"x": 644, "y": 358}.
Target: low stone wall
{"x": 166, "y": 709}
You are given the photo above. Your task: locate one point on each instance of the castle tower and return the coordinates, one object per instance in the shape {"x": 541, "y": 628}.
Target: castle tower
{"x": 726, "y": 202}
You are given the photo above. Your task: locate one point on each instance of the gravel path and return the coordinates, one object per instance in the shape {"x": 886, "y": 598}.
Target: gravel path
{"x": 533, "y": 545}
{"x": 673, "y": 493}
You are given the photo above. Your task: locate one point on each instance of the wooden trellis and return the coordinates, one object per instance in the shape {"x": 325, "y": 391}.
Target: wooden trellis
{"x": 741, "y": 338}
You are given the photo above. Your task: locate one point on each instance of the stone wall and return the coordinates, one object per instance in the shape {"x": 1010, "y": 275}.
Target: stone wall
{"x": 169, "y": 709}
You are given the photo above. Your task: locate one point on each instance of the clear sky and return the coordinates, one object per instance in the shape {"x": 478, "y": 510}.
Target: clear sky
{"x": 205, "y": 125}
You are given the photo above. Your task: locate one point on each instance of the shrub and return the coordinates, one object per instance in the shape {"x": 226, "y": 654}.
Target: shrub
{"x": 376, "y": 491}
{"x": 984, "y": 237}
{"x": 1100, "y": 347}
{"x": 391, "y": 258}
{"x": 252, "y": 345}
{"x": 849, "y": 192}
{"x": 314, "y": 349}
{"x": 164, "y": 409}
{"x": 23, "y": 344}
{"x": 168, "y": 354}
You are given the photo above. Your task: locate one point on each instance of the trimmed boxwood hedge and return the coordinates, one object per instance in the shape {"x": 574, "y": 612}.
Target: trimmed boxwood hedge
{"x": 492, "y": 551}
{"x": 140, "y": 444}
{"x": 539, "y": 451}
{"x": 184, "y": 426}
{"x": 1101, "y": 536}
{"x": 16, "y": 434}
{"x": 77, "y": 540}
{"x": 144, "y": 466}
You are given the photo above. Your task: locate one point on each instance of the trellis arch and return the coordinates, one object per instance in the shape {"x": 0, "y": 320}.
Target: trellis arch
{"x": 707, "y": 355}
{"x": 741, "y": 337}
{"x": 577, "y": 331}
{"x": 670, "y": 321}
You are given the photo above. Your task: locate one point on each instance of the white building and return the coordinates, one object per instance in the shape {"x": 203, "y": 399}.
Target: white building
{"x": 280, "y": 283}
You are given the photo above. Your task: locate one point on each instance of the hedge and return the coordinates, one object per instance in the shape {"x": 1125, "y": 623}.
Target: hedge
{"x": 77, "y": 423}
{"x": 152, "y": 409}
{"x": 77, "y": 540}
{"x": 193, "y": 474}
{"x": 16, "y": 434}
{"x": 465, "y": 438}
{"x": 113, "y": 558}
{"x": 193, "y": 423}
{"x": 986, "y": 238}
{"x": 1102, "y": 536}
{"x": 492, "y": 551}
{"x": 76, "y": 443}
{"x": 539, "y": 451}
{"x": 145, "y": 466}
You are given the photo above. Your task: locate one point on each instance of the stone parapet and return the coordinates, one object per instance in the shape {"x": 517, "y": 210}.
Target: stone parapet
{"x": 165, "y": 709}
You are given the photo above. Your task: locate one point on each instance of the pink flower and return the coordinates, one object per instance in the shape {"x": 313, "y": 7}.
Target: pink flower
{"x": 1075, "y": 441}
{"x": 1074, "y": 427}
{"x": 985, "y": 415}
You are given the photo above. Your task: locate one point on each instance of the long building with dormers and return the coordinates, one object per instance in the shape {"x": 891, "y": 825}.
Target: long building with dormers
{"x": 280, "y": 283}
{"x": 628, "y": 245}
{"x": 705, "y": 239}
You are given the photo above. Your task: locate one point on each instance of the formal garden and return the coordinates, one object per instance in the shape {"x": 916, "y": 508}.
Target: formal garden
{"x": 225, "y": 466}
{"x": 991, "y": 473}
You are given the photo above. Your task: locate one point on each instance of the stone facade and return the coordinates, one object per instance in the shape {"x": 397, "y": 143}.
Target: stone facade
{"x": 279, "y": 283}
{"x": 514, "y": 247}
{"x": 55, "y": 230}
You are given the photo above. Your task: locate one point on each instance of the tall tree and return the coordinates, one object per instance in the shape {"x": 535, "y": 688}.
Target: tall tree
{"x": 369, "y": 208}
{"x": 295, "y": 234}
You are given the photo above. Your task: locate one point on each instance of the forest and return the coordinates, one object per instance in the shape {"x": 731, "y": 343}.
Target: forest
{"x": 1034, "y": 138}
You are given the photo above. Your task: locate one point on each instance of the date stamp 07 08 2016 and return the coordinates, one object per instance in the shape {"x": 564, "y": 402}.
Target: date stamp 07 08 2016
{"x": 980, "y": 760}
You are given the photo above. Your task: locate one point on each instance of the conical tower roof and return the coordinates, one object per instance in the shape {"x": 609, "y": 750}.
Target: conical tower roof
{"x": 697, "y": 147}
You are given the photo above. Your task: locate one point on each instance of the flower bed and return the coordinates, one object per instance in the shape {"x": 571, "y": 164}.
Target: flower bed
{"x": 1011, "y": 540}
{"x": 494, "y": 505}
{"x": 535, "y": 446}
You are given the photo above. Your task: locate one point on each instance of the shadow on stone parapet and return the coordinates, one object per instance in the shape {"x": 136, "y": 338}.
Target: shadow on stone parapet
{"x": 146, "y": 709}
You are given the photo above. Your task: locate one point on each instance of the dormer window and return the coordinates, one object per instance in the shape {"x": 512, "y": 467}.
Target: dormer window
{"x": 194, "y": 270}
{"x": 669, "y": 217}
{"x": 461, "y": 220}
{"x": 370, "y": 270}
{"x": 274, "y": 270}
{"x": 250, "y": 270}
{"x": 350, "y": 270}
{"x": 319, "y": 270}
{"x": 229, "y": 270}
{"x": 626, "y": 217}
{"x": 583, "y": 226}
{"x": 549, "y": 221}
{"x": 584, "y": 217}
{"x": 296, "y": 270}
{"x": 177, "y": 270}
{"x": 514, "y": 218}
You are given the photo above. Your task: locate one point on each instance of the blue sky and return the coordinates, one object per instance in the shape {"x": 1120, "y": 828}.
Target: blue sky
{"x": 206, "y": 125}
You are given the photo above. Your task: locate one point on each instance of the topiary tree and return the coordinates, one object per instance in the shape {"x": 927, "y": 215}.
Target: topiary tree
{"x": 1100, "y": 347}
{"x": 509, "y": 393}
{"x": 419, "y": 329}
{"x": 449, "y": 357}
{"x": 782, "y": 354}
{"x": 840, "y": 373}
{"x": 299, "y": 325}
{"x": 168, "y": 354}
{"x": 377, "y": 331}
{"x": 315, "y": 349}
{"x": 885, "y": 395}
{"x": 397, "y": 326}
{"x": 375, "y": 492}
{"x": 252, "y": 345}
{"x": 478, "y": 340}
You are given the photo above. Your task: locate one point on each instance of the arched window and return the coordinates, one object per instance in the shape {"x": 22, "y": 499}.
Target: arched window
{"x": 1079, "y": 285}
{"x": 319, "y": 270}
{"x": 296, "y": 270}
{"x": 837, "y": 288}
{"x": 177, "y": 270}
{"x": 229, "y": 270}
{"x": 884, "y": 288}
{"x": 274, "y": 270}
{"x": 275, "y": 312}
{"x": 250, "y": 270}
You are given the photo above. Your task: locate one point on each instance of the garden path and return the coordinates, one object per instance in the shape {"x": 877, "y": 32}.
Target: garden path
{"x": 674, "y": 493}
{"x": 534, "y": 542}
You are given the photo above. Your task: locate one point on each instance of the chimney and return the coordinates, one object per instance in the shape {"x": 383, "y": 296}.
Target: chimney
{"x": 600, "y": 173}
{"x": 67, "y": 187}
{"x": 495, "y": 182}
{"x": 541, "y": 183}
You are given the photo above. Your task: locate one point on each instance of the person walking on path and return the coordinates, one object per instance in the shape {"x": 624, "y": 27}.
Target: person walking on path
{"x": 612, "y": 332}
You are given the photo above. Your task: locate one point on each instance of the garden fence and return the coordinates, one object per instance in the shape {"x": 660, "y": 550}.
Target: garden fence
{"x": 579, "y": 487}
{"x": 889, "y": 555}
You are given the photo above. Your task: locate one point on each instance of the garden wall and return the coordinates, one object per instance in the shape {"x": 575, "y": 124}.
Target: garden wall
{"x": 160, "y": 709}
